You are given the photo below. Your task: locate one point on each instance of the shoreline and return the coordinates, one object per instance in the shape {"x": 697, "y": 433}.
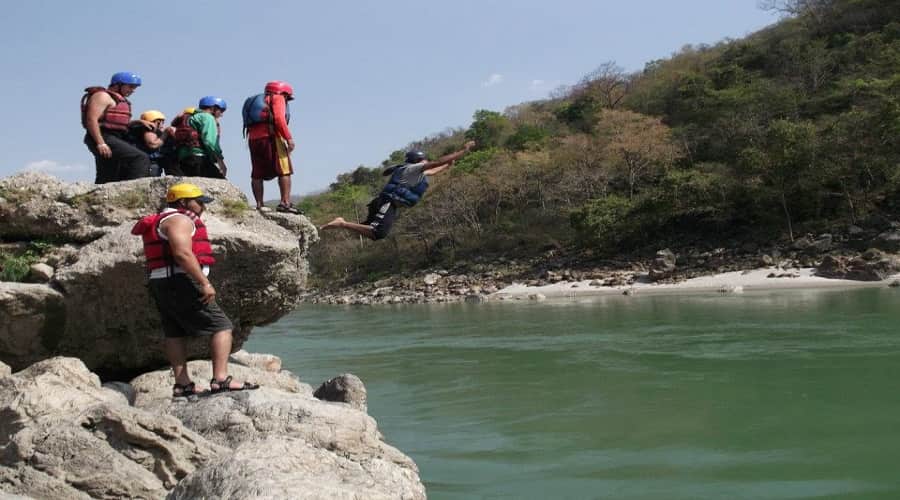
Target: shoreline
{"x": 729, "y": 282}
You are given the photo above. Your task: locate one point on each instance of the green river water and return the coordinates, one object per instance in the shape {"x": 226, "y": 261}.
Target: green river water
{"x": 769, "y": 395}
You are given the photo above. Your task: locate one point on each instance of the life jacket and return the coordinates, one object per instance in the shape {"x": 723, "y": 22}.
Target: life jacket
{"x": 258, "y": 109}
{"x": 156, "y": 249}
{"x": 115, "y": 117}
{"x": 401, "y": 193}
{"x": 186, "y": 136}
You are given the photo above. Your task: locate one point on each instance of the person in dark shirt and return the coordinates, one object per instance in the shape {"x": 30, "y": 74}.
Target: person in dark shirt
{"x": 407, "y": 185}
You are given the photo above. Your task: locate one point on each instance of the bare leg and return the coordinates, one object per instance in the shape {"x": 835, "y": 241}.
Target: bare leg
{"x": 257, "y": 186}
{"x": 220, "y": 348}
{"x": 175, "y": 352}
{"x": 284, "y": 185}
{"x": 339, "y": 222}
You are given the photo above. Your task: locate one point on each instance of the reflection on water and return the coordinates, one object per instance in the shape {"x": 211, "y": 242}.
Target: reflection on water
{"x": 760, "y": 395}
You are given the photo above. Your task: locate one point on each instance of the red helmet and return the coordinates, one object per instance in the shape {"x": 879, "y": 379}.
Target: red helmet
{"x": 279, "y": 87}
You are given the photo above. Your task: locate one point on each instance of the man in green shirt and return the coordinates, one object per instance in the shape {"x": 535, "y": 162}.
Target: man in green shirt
{"x": 199, "y": 152}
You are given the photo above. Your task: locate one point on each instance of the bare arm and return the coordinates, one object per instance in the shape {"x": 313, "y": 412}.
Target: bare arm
{"x": 179, "y": 230}
{"x": 152, "y": 140}
{"x": 437, "y": 170}
{"x": 447, "y": 159}
{"x": 97, "y": 105}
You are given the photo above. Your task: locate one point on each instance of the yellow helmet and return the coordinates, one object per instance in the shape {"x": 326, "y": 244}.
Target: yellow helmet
{"x": 152, "y": 115}
{"x": 186, "y": 191}
{"x": 189, "y": 110}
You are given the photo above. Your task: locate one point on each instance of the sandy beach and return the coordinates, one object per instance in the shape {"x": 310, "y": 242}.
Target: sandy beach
{"x": 731, "y": 282}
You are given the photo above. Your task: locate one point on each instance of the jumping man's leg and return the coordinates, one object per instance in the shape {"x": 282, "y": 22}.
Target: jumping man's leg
{"x": 339, "y": 222}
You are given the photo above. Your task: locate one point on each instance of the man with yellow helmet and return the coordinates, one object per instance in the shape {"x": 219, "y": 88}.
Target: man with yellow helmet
{"x": 150, "y": 136}
{"x": 179, "y": 255}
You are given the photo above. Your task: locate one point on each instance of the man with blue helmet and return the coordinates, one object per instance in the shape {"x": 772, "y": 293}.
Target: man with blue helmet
{"x": 406, "y": 187}
{"x": 199, "y": 151}
{"x": 105, "y": 116}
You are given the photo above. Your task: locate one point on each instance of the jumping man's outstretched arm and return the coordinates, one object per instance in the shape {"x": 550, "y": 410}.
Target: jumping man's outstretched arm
{"x": 442, "y": 163}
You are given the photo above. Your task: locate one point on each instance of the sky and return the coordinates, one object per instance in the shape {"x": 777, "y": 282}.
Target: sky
{"x": 369, "y": 77}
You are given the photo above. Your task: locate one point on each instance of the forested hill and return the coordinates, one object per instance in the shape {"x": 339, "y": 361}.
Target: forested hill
{"x": 792, "y": 130}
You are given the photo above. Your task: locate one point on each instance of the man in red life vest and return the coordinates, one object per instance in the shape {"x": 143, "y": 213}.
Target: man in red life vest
{"x": 266, "y": 118}
{"x": 179, "y": 256}
{"x": 105, "y": 115}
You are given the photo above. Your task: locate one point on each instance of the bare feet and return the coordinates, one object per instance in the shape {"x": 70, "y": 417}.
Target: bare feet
{"x": 336, "y": 223}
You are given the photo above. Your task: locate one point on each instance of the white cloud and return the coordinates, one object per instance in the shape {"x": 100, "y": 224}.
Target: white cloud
{"x": 537, "y": 84}
{"x": 53, "y": 167}
{"x": 494, "y": 79}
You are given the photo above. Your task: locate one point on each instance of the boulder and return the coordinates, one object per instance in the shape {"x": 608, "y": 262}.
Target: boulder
{"x": 872, "y": 265}
{"x": 663, "y": 265}
{"x": 67, "y": 437}
{"x": 289, "y": 467}
{"x": 345, "y": 388}
{"x": 154, "y": 389}
{"x": 265, "y": 362}
{"x": 106, "y": 317}
{"x": 40, "y": 273}
{"x": 888, "y": 240}
{"x": 33, "y": 319}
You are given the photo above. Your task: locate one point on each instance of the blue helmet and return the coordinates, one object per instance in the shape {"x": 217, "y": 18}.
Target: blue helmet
{"x": 211, "y": 101}
{"x": 415, "y": 156}
{"x": 125, "y": 78}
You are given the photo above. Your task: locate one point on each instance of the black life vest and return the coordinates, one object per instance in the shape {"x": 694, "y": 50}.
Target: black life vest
{"x": 405, "y": 195}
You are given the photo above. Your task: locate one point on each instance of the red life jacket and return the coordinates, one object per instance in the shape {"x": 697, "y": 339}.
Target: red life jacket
{"x": 186, "y": 136}
{"x": 115, "y": 117}
{"x": 156, "y": 249}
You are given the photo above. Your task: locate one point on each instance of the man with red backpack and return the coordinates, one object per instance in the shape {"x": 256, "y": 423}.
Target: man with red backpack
{"x": 266, "y": 117}
{"x": 105, "y": 116}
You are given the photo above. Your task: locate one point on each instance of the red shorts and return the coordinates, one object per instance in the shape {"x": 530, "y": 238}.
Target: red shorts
{"x": 270, "y": 158}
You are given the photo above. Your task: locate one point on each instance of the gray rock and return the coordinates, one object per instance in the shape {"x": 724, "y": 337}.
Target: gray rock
{"x": 431, "y": 279}
{"x": 40, "y": 273}
{"x": 154, "y": 389}
{"x": 265, "y": 362}
{"x": 537, "y": 297}
{"x": 123, "y": 388}
{"x": 106, "y": 317}
{"x": 345, "y": 388}
{"x": 32, "y": 322}
{"x": 663, "y": 265}
{"x": 888, "y": 240}
{"x": 66, "y": 438}
{"x": 766, "y": 260}
{"x": 289, "y": 467}
{"x": 4, "y": 369}
{"x": 822, "y": 243}
{"x": 476, "y": 298}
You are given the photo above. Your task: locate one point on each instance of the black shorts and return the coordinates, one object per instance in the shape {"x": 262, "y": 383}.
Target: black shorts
{"x": 382, "y": 213}
{"x": 182, "y": 312}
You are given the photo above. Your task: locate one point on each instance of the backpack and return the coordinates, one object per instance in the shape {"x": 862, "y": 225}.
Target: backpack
{"x": 256, "y": 110}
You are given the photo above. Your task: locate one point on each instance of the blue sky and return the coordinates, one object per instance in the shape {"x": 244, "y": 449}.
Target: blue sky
{"x": 369, "y": 77}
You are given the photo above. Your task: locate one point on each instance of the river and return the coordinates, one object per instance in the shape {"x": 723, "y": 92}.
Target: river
{"x": 768, "y": 395}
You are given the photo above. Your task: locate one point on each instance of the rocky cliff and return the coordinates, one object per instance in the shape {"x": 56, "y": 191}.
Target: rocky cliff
{"x": 92, "y": 302}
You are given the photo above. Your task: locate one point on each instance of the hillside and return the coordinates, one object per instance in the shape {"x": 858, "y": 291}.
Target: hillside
{"x": 793, "y": 130}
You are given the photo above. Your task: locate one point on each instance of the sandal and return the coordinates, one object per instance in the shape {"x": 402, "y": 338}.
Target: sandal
{"x": 184, "y": 391}
{"x": 289, "y": 208}
{"x": 217, "y": 386}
